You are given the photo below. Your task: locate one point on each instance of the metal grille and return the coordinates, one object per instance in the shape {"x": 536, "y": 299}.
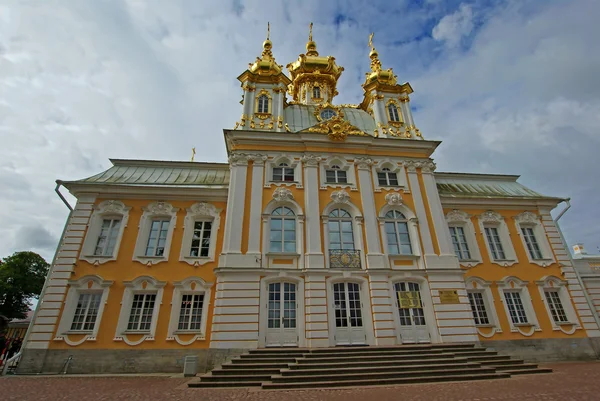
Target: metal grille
{"x": 478, "y": 307}
{"x": 556, "y": 308}
{"x": 515, "y": 307}
{"x": 142, "y": 309}
{"x": 86, "y": 312}
{"x": 190, "y": 315}
{"x": 344, "y": 259}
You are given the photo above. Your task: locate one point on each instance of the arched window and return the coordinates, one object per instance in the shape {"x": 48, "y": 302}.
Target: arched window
{"x": 387, "y": 177}
{"x": 393, "y": 112}
{"x": 396, "y": 231}
{"x": 283, "y": 173}
{"x": 263, "y": 104}
{"x": 336, "y": 175}
{"x": 341, "y": 235}
{"x": 283, "y": 230}
{"x": 316, "y": 92}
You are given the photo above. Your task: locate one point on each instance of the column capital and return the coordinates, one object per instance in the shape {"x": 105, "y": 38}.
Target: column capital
{"x": 258, "y": 159}
{"x": 363, "y": 163}
{"x": 238, "y": 159}
{"x": 426, "y": 166}
{"x": 311, "y": 160}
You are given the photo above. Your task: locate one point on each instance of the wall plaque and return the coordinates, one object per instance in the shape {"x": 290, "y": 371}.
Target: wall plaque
{"x": 449, "y": 297}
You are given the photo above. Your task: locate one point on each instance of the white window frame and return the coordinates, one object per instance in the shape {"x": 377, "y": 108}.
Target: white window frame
{"x": 86, "y": 284}
{"x": 459, "y": 218}
{"x": 413, "y": 232}
{"x": 154, "y": 211}
{"x": 108, "y": 209}
{"x": 189, "y": 286}
{"x": 140, "y": 285}
{"x": 206, "y": 212}
{"x": 282, "y": 197}
{"x": 496, "y": 220}
{"x": 293, "y": 162}
{"x": 531, "y": 220}
{"x": 514, "y": 284}
{"x": 477, "y": 284}
{"x": 552, "y": 283}
{"x": 344, "y": 166}
{"x": 395, "y": 167}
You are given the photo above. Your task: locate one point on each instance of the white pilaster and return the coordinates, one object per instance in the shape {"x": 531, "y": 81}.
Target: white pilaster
{"x": 440, "y": 225}
{"x": 258, "y": 168}
{"x": 374, "y": 257}
{"x": 379, "y": 112}
{"x": 314, "y": 255}
{"x": 415, "y": 188}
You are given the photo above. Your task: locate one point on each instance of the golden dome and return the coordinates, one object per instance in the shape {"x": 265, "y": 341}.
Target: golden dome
{"x": 386, "y": 77}
{"x": 266, "y": 64}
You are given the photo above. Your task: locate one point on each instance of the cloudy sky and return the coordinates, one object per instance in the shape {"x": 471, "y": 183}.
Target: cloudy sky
{"x": 510, "y": 87}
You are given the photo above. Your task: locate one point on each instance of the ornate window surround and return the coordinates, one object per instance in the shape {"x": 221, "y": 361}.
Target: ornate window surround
{"x": 491, "y": 218}
{"x": 458, "y": 218}
{"x": 514, "y": 284}
{"x": 531, "y": 220}
{"x": 554, "y": 283}
{"x": 200, "y": 211}
{"x": 86, "y": 284}
{"x": 477, "y": 284}
{"x": 395, "y": 167}
{"x": 283, "y": 197}
{"x": 292, "y": 162}
{"x": 400, "y": 121}
{"x": 395, "y": 203}
{"x": 344, "y": 166}
{"x": 104, "y": 210}
{"x": 154, "y": 210}
{"x": 140, "y": 285}
{"x": 341, "y": 199}
{"x": 263, "y": 116}
{"x": 191, "y": 285}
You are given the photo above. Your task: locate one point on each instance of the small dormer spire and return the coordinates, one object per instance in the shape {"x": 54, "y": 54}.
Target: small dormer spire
{"x": 373, "y": 55}
{"x": 311, "y": 46}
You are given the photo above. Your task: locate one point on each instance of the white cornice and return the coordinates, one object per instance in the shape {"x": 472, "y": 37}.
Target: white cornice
{"x": 212, "y": 193}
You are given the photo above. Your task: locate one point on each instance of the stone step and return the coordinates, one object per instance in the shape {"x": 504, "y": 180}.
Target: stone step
{"x": 526, "y": 371}
{"x": 392, "y": 362}
{"x": 501, "y": 362}
{"x": 342, "y": 376}
{"x": 272, "y": 356}
{"x": 231, "y": 383}
{"x": 248, "y": 371}
{"x": 388, "y": 381}
{"x": 410, "y": 347}
{"x": 371, "y": 358}
{"x": 237, "y": 378}
{"x": 399, "y": 369}
{"x": 278, "y": 349}
{"x": 333, "y": 354}
{"x": 483, "y": 358}
{"x": 244, "y": 366}
{"x": 257, "y": 360}
{"x": 520, "y": 366}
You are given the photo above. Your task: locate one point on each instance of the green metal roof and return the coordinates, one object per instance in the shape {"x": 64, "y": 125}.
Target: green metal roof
{"x": 154, "y": 172}
{"x": 482, "y": 185}
{"x": 300, "y": 117}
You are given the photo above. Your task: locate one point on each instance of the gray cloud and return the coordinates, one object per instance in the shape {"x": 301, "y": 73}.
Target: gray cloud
{"x": 36, "y": 238}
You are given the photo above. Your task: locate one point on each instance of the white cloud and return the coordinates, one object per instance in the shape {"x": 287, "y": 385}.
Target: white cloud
{"x": 453, "y": 27}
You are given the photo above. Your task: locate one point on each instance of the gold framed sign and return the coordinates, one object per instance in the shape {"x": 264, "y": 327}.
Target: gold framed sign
{"x": 409, "y": 299}
{"x": 449, "y": 297}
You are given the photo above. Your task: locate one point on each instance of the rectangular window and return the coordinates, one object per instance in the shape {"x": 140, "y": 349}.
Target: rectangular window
{"x": 495, "y": 244}
{"x": 478, "y": 307}
{"x": 107, "y": 239}
{"x": 201, "y": 239}
{"x": 142, "y": 309}
{"x": 515, "y": 307}
{"x": 556, "y": 308}
{"x": 336, "y": 176}
{"x": 387, "y": 178}
{"x": 190, "y": 315}
{"x": 531, "y": 242}
{"x": 283, "y": 174}
{"x": 157, "y": 238}
{"x": 86, "y": 312}
{"x": 459, "y": 240}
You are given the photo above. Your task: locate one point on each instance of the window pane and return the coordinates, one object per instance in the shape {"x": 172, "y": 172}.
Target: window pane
{"x": 393, "y": 178}
{"x": 382, "y": 178}
{"x": 289, "y": 246}
{"x": 330, "y": 176}
{"x": 342, "y": 177}
{"x": 289, "y": 224}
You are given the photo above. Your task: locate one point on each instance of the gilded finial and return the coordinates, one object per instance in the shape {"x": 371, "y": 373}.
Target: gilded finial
{"x": 311, "y": 46}
{"x": 193, "y": 153}
{"x": 268, "y": 31}
{"x": 371, "y": 40}
{"x": 310, "y": 32}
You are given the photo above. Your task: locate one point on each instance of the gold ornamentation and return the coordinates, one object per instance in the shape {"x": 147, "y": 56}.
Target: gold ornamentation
{"x": 310, "y": 32}
{"x": 261, "y": 124}
{"x": 237, "y": 124}
{"x": 404, "y": 99}
{"x": 337, "y": 128}
{"x": 287, "y": 128}
{"x": 252, "y": 125}
{"x": 262, "y": 116}
{"x": 350, "y": 106}
{"x": 327, "y": 105}
{"x": 270, "y": 126}
{"x": 280, "y": 122}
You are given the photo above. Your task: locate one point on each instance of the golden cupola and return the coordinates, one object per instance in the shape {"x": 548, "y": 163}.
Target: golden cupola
{"x": 378, "y": 74}
{"x": 314, "y": 77}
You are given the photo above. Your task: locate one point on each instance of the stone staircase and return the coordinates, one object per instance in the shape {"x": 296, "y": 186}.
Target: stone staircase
{"x": 292, "y": 368}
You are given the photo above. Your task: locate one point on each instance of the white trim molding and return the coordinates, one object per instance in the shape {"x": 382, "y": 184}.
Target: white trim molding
{"x": 109, "y": 209}
{"x": 515, "y": 284}
{"x": 153, "y": 211}
{"x": 532, "y": 220}
{"x": 206, "y": 212}
{"x": 395, "y": 167}
{"x": 459, "y": 218}
{"x": 477, "y": 284}
{"x": 495, "y": 220}
{"x": 552, "y": 283}
{"x": 140, "y": 285}
{"x": 292, "y": 162}
{"x": 91, "y": 284}
{"x": 344, "y": 165}
{"x": 189, "y": 286}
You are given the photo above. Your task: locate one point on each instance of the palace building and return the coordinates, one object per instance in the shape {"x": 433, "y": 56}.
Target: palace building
{"x": 328, "y": 226}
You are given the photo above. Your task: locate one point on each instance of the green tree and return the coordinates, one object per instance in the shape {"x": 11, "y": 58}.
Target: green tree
{"x": 22, "y": 277}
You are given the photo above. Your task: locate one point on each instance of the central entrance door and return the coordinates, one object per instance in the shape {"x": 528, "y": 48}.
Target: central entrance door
{"x": 413, "y": 327}
{"x": 281, "y": 318}
{"x": 349, "y": 327}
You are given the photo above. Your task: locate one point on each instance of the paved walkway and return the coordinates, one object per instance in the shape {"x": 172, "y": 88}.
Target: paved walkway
{"x": 570, "y": 381}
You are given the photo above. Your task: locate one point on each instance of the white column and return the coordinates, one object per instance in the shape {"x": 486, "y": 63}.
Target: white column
{"x": 232, "y": 238}
{"x": 378, "y": 112}
{"x": 411, "y": 168}
{"x": 437, "y": 212}
{"x": 258, "y": 168}
{"x": 314, "y": 255}
{"x": 375, "y": 258}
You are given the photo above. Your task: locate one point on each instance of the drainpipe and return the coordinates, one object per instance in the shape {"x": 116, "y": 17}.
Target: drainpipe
{"x": 585, "y": 293}
{"x": 62, "y": 236}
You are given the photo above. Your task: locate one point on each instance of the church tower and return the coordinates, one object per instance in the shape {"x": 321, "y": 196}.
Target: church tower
{"x": 264, "y": 85}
